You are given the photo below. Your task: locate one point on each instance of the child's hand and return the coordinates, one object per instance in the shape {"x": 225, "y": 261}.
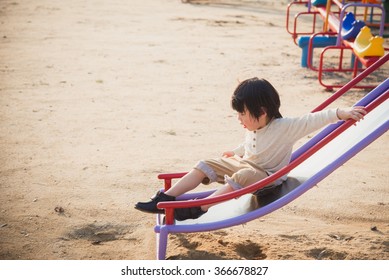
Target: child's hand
{"x": 228, "y": 154}
{"x": 355, "y": 113}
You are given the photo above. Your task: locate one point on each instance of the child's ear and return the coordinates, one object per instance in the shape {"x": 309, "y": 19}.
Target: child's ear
{"x": 264, "y": 110}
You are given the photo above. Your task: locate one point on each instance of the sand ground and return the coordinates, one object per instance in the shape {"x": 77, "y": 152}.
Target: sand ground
{"x": 98, "y": 97}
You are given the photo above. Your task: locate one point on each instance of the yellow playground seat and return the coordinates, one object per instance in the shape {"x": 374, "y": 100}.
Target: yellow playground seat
{"x": 366, "y": 44}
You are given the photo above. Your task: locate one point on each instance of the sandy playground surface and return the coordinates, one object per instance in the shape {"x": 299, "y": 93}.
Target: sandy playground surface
{"x": 98, "y": 97}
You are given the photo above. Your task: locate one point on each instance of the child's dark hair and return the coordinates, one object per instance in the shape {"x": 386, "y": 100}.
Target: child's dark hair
{"x": 256, "y": 95}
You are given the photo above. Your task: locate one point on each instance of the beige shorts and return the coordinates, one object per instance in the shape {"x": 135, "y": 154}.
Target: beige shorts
{"x": 235, "y": 171}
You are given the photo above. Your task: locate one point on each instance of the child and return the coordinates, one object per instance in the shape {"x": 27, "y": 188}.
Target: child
{"x": 267, "y": 147}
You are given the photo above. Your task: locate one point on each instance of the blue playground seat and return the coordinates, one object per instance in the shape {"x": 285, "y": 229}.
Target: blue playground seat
{"x": 319, "y": 2}
{"x": 351, "y": 27}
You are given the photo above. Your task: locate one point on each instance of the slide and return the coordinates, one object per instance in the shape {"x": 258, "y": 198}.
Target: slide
{"x": 343, "y": 139}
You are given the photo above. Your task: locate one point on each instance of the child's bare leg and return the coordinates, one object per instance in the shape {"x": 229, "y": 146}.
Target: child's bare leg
{"x": 187, "y": 183}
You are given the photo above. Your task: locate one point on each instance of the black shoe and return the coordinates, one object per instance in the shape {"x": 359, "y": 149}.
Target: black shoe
{"x": 181, "y": 214}
{"x": 151, "y": 206}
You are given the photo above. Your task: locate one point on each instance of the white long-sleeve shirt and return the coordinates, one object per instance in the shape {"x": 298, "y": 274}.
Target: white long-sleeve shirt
{"x": 271, "y": 146}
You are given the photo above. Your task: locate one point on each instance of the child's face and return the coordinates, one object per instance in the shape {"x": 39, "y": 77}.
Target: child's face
{"x": 251, "y": 123}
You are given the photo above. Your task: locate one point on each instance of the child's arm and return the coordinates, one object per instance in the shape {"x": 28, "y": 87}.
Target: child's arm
{"x": 355, "y": 113}
{"x": 237, "y": 151}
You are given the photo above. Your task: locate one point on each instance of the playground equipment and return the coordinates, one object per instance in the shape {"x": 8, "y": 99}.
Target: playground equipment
{"x": 351, "y": 27}
{"x": 368, "y": 45}
{"x": 319, "y": 2}
{"x": 343, "y": 26}
{"x": 369, "y": 17}
{"x": 310, "y": 164}
{"x": 316, "y": 42}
